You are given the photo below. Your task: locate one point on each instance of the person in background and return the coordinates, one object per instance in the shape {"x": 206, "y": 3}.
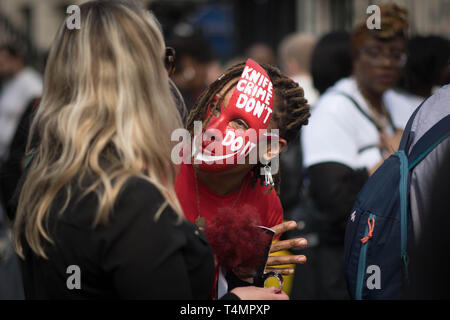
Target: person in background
{"x": 294, "y": 56}
{"x": 427, "y": 67}
{"x": 194, "y": 63}
{"x": 331, "y": 60}
{"x": 97, "y": 214}
{"x": 429, "y": 202}
{"x": 422, "y": 177}
{"x": 20, "y": 85}
{"x": 206, "y": 187}
{"x": 261, "y": 53}
{"x": 353, "y": 129}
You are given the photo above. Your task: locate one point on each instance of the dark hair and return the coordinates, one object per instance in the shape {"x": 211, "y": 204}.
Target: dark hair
{"x": 193, "y": 46}
{"x": 427, "y": 58}
{"x": 331, "y": 60}
{"x": 291, "y": 110}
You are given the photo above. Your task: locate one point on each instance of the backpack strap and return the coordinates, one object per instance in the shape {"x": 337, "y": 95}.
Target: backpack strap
{"x": 364, "y": 113}
{"x": 403, "y": 192}
{"x": 434, "y": 136}
{"x": 408, "y": 136}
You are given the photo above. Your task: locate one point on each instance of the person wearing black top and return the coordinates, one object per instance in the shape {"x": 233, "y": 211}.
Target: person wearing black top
{"x": 134, "y": 256}
{"x": 97, "y": 215}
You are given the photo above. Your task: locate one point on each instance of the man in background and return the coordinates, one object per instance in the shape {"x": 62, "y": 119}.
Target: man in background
{"x": 294, "y": 54}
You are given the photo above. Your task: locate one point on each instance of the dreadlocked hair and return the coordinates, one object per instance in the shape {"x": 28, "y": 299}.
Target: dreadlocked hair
{"x": 291, "y": 109}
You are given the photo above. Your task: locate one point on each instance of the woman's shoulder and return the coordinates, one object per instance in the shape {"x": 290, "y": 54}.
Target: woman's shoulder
{"x": 140, "y": 189}
{"x": 136, "y": 197}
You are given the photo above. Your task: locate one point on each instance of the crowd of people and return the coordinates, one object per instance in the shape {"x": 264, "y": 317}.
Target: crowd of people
{"x": 288, "y": 138}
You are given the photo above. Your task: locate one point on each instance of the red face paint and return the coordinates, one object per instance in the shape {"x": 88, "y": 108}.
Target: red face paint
{"x": 233, "y": 134}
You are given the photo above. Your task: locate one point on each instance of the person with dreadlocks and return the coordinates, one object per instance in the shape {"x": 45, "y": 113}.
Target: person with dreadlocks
{"x": 353, "y": 128}
{"x": 236, "y": 113}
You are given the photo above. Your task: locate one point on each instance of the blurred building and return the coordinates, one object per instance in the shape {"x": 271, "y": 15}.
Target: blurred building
{"x": 321, "y": 16}
{"x": 231, "y": 26}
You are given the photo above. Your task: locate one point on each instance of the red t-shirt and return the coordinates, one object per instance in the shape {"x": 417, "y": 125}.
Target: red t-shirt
{"x": 268, "y": 205}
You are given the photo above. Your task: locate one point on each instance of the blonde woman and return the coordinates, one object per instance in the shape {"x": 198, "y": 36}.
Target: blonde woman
{"x": 97, "y": 215}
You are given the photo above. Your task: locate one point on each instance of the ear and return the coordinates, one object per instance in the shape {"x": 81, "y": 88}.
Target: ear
{"x": 273, "y": 151}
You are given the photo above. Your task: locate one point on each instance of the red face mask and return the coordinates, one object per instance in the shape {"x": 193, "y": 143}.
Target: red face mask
{"x": 231, "y": 135}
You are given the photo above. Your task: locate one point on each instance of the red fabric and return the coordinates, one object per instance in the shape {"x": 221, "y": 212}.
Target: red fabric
{"x": 267, "y": 205}
{"x": 236, "y": 240}
{"x": 252, "y": 102}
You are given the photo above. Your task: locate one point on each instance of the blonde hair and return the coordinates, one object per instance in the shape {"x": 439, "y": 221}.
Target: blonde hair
{"x": 297, "y": 47}
{"x": 106, "y": 100}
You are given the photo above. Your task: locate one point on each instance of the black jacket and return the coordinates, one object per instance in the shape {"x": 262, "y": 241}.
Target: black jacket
{"x": 134, "y": 256}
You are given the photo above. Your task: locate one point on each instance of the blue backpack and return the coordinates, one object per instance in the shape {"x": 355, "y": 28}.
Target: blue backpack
{"x": 379, "y": 229}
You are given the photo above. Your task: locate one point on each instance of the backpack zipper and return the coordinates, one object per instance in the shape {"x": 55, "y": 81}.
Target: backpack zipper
{"x": 362, "y": 256}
